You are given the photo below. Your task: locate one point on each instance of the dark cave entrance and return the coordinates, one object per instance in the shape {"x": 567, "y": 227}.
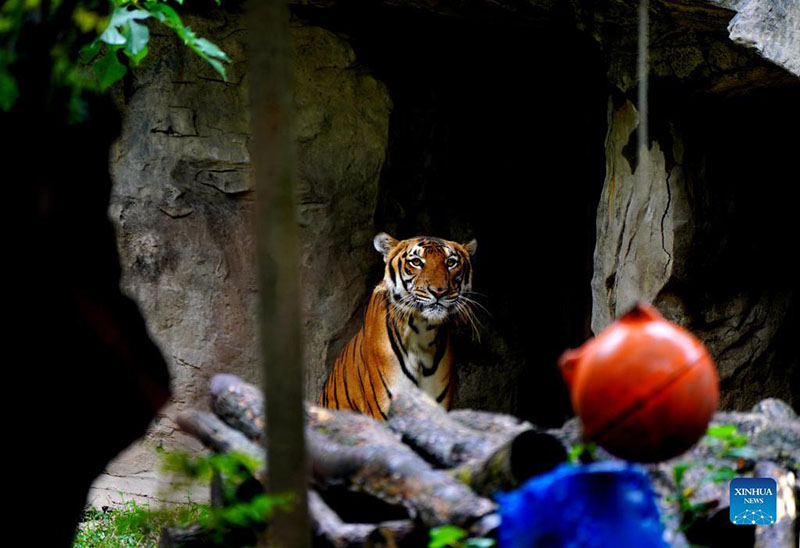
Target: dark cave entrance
{"x": 741, "y": 282}
{"x": 497, "y": 132}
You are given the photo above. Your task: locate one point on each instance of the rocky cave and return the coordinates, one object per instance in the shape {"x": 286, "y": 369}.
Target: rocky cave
{"x": 512, "y": 122}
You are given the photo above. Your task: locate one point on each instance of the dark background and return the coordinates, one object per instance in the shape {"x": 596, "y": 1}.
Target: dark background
{"x": 496, "y": 133}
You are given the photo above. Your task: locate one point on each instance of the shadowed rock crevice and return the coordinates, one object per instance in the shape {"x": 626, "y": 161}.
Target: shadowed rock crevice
{"x": 716, "y": 264}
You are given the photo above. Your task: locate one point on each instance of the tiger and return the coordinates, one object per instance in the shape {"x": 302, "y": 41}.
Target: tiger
{"x": 405, "y": 341}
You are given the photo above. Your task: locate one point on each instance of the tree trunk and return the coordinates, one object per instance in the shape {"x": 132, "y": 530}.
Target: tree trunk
{"x": 273, "y": 159}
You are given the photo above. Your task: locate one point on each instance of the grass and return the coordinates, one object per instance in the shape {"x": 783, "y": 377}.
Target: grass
{"x": 132, "y": 524}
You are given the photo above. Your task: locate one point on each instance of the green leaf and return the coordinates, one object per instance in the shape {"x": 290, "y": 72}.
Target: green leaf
{"x": 219, "y": 67}
{"x": 722, "y": 431}
{"x": 723, "y": 474}
{"x": 120, "y": 17}
{"x": 446, "y": 535}
{"x": 136, "y": 36}
{"x": 89, "y": 52}
{"x": 165, "y": 14}
{"x": 579, "y": 449}
{"x": 210, "y": 49}
{"x": 85, "y": 19}
{"x": 737, "y": 440}
{"x": 678, "y": 471}
{"x": 112, "y": 36}
{"x": 136, "y": 59}
{"x": 108, "y": 69}
{"x": 8, "y": 90}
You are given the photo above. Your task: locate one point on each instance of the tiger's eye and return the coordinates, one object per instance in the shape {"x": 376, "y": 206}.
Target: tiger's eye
{"x": 415, "y": 262}
{"x": 451, "y": 262}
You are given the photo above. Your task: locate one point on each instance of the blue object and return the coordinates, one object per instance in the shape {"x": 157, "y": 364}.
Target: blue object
{"x": 600, "y": 505}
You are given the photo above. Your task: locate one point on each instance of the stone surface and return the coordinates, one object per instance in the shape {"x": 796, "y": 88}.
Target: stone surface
{"x": 644, "y": 222}
{"x": 694, "y": 238}
{"x": 343, "y": 127}
{"x": 716, "y": 46}
{"x": 771, "y": 28}
{"x": 183, "y": 200}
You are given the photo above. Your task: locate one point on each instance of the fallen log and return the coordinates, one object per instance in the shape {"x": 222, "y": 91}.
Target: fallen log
{"x": 216, "y": 435}
{"x": 329, "y": 530}
{"x": 193, "y": 536}
{"x": 197, "y": 536}
{"x": 432, "y": 496}
{"x": 239, "y": 404}
{"x": 387, "y": 472}
{"x": 427, "y": 427}
{"x": 527, "y": 454}
{"x": 352, "y": 429}
{"x": 490, "y": 423}
{"x": 221, "y": 438}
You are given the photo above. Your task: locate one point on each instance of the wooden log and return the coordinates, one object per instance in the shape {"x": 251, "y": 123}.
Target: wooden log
{"x": 527, "y": 454}
{"x": 490, "y": 423}
{"x": 397, "y": 477}
{"x": 352, "y": 429}
{"x": 329, "y": 530}
{"x": 427, "y": 427}
{"x": 197, "y": 536}
{"x": 389, "y": 472}
{"x": 193, "y": 536}
{"x": 219, "y": 437}
{"x": 239, "y": 404}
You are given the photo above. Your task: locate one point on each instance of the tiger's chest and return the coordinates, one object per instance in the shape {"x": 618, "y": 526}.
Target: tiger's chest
{"x": 423, "y": 358}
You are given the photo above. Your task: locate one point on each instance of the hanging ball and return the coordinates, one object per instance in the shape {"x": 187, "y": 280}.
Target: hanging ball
{"x": 645, "y": 389}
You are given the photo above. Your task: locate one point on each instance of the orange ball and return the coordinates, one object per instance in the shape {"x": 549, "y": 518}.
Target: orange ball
{"x": 645, "y": 389}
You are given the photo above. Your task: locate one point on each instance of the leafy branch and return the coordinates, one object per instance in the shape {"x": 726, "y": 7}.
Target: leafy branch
{"x": 125, "y": 33}
{"x": 98, "y": 64}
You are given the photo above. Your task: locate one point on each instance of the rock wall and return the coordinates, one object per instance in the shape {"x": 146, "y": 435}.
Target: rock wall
{"x": 477, "y": 148}
{"x": 183, "y": 203}
{"x": 700, "y": 235}
{"x": 644, "y": 223}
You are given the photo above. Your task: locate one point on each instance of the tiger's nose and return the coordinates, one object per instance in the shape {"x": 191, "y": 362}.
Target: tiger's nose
{"x": 437, "y": 292}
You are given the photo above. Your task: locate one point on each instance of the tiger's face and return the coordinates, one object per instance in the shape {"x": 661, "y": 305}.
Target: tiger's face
{"x": 428, "y": 277}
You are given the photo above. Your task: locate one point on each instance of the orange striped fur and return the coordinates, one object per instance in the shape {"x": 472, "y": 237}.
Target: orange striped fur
{"x": 404, "y": 341}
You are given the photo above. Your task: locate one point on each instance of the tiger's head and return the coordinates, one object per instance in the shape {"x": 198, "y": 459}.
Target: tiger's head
{"x": 428, "y": 277}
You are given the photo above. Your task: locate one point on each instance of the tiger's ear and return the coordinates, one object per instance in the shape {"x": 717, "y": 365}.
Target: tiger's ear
{"x": 384, "y": 244}
{"x": 471, "y": 247}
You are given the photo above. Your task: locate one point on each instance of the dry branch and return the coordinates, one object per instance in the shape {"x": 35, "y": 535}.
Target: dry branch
{"x": 397, "y": 477}
{"x": 331, "y": 530}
